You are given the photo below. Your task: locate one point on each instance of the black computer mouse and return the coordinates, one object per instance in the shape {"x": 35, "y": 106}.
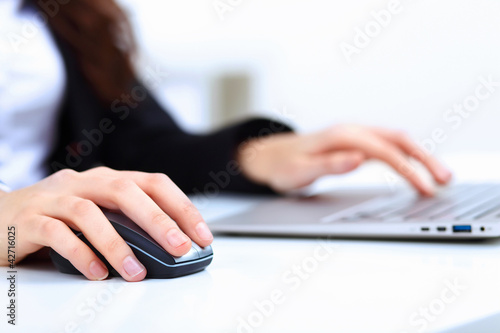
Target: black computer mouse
{"x": 158, "y": 262}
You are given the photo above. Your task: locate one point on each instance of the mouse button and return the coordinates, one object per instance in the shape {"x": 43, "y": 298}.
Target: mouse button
{"x": 141, "y": 244}
{"x": 129, "y": 224}
{"x": 129, "y": 230}
{"x": 191, "y": 255}
{"x": 203, "y": 251}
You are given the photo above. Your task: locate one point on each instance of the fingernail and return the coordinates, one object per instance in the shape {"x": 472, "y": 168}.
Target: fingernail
{"x": 132, "y": 267}
{"x": 203, "y": 231}
{"x": 444, "y": 174}
{"x": 176, "y": 238}
{"x": 98, "y": 270}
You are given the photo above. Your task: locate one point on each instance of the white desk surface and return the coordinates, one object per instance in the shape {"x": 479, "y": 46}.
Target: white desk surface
{"x": 361, "y": 286}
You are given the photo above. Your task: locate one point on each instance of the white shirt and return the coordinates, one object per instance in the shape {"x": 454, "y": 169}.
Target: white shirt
{"x": 32, "y": 81}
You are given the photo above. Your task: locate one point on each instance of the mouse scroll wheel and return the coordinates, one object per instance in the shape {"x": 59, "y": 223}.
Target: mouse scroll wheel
{"x": 203, "y": 251}
{"x": 191, "y": 255}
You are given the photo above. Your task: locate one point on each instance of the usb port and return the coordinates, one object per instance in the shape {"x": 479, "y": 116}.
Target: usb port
{"x": 441, "y": 228}
{"x": 462, "y": 228}
{"x": 425, "y": 229}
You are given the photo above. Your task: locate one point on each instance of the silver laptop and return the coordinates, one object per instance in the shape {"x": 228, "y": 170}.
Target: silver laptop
{"x": 460, "y": 211}
{"x": 487, "y": 324}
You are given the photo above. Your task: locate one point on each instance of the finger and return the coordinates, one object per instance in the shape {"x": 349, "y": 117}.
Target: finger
{"x": 90, "y": 220}
{"x": 400, "y": 163}
{"x": 170, "y": 199}
{"x": 54, "y": 233}
{"x": 175, "y": 203}
{"x": 375, "y": 147}
{"x": 126, "y": 195}
{"x": 440, "y": 173}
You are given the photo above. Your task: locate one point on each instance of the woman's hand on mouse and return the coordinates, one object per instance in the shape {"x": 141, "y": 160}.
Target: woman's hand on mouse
{"x": 290, "y": 161}
{"x": 44, "y": 213}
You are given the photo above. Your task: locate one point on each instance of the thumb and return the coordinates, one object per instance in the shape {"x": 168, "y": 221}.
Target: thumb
{"x": 318, "y": 166}
{"x": 328, "y": 164}
{"x": 339, "y": 162}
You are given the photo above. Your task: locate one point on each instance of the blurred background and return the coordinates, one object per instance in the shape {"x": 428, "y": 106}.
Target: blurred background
{"x": 408, "y": 64}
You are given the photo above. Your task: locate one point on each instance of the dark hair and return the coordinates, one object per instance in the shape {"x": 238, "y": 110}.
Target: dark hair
{"x": 100, "y": 35}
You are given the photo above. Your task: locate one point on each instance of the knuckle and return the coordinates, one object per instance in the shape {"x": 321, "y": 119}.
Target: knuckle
{"x": 114, "y": 244}
{"x": 159, "y": 218}
{"x": 121, "y": 184}
{"x": 392, "y": 157}
{"x": 189, "y": 209}
{"x": 63, "y": 176}
{"x": 49, "y": 228}
{"x": 82, "y": 207}
{"x": 102, "y": 169}
{"x": 420, "y": 154}
{"x": 158, "y": 178}
{"x": 75, "y": 252}
{"x": 407, "y": 170}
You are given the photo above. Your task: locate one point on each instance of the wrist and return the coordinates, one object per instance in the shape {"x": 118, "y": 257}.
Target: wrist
{"x": 248, "y": 156}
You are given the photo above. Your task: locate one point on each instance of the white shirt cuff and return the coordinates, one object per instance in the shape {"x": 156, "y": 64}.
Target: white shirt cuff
{"x": 4, "y": 187}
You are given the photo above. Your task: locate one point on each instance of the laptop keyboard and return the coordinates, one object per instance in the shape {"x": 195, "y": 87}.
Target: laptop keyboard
{"x": 466, "y": 202}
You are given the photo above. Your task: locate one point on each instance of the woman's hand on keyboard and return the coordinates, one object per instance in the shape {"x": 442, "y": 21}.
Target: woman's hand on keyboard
{"x": 290, "y": 161}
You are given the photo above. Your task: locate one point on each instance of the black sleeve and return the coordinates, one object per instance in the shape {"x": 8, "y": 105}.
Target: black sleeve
{"x": 146, "y": 138}
{"x": 134, "y": 132}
